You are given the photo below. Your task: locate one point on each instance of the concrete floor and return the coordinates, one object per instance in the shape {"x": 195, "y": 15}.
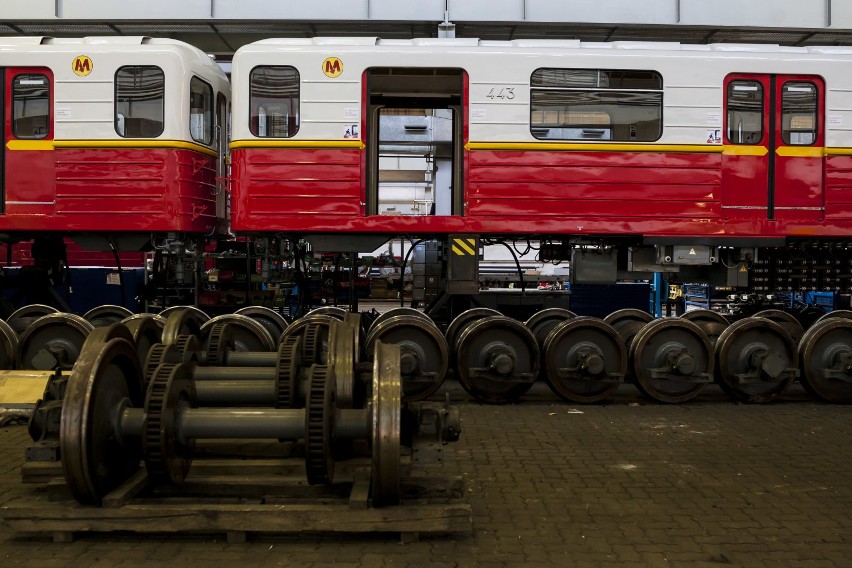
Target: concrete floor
{"x": 628, "y": 483}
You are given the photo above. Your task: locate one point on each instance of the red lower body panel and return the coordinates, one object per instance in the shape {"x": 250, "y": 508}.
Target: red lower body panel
{"x": 111, "y": 190}
{"x": 521, "y": 193}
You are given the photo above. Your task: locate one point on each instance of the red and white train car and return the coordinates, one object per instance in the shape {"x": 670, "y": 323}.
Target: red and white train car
{"x": 110, "y": 135}
{"x": 742, "y": 145}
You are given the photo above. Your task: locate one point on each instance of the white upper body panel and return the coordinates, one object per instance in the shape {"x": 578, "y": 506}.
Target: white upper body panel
{"x": 84, "y": 106}
{"x": 693, "y": 79}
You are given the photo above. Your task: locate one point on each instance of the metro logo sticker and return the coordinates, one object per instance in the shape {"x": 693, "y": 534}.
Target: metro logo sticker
{"x": 82, "y": 65}
{"x": 332, "y": 67}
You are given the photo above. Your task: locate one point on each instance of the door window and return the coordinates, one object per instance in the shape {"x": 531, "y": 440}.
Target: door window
{"x": 31, "y": 106}
{"x": 799, "y": 113}
{"x": 745, "y": 112}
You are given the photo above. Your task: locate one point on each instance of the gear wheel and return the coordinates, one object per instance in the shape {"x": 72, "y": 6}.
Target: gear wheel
{"x": 166, "y": 458}
{"x": 160, "y": 353}
{"x": 187, "y": 346}
{"x": 219, "y": 342}
{"x": 319, "y": 426}
{"x": 289, "y": 362}
{"x": 311, "y": 343}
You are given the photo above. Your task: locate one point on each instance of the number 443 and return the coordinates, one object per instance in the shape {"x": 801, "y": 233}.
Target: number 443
{"x": 502, "y": 93}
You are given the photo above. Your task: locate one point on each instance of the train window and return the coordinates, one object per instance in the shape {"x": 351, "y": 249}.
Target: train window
{"x": 799, "y": 113}
{"x": 31, "y": 106}
{"x": 745, "y": 112}
{"x": 596, "y": 104}
{"x": 139, "y": 101}
{"x": 274, "y": 101}
{"x": 200, "y": 111}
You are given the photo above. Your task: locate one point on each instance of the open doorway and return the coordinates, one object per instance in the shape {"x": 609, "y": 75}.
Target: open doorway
{"x": 415, "y": 141}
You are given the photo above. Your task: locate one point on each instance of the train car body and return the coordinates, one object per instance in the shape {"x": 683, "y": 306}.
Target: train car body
{"x": 742, "y": 145}
{"x": 114, "y": 135}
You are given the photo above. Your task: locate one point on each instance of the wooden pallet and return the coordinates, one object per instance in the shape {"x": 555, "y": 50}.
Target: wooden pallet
{"x": 215, "y": 500}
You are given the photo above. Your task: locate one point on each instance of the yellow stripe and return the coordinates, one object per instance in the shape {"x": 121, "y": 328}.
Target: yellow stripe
{"x": 52, "y": 144}
{"x": 464, "y": 245}
{"x": 729, "y": 150}
{"x": 297, "y": 144}
{"x": 801, "y": 152}
{"x": 457, "y": 250}
{"x": 585, "y": 147}
{"x": 745, "y": 151}
{"x": 472, "y": 242}
{"x": 29, "y": 145}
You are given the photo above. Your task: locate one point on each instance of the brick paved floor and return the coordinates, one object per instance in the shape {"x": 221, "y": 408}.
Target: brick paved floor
{"x": 630, "y": 483}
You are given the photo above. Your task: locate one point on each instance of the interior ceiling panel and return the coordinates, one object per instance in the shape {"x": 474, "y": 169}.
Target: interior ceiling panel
{"x": 223, "y": 37}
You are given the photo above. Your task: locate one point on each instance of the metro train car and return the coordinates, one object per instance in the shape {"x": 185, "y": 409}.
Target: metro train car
{"x": 118, "y": 136}
{"x": 687, "y": 155}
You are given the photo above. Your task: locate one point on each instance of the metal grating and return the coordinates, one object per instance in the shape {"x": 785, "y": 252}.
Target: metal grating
{"x": 158, "y": 29}
{"x": 66, "y": 29}
{"x": 753, "y": 36}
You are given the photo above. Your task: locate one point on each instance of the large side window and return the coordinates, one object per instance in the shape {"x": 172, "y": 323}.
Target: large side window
{"x": 596, "y": 104}
{"x": 799, "y": 113}
{"x": 274, "y": 101}
{"x": 745, "y": 112}
{"x": 200, "y": 111}
{"x": 139, "y": 101}
{"x": 31, "y": 106}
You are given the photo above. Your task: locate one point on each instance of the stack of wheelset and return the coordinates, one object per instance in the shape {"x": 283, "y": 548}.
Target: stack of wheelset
{"x": 497, "y": 359}
{"x": 225, "y": 378}
{"x": 670, "y": 360}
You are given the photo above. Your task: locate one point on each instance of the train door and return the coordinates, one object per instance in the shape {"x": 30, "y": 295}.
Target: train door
{"x": 773, "y": 161}
{"x": 415, "y": 140}
{"x": 223, "y": 137}
{"x": 27, "y": 153}
{"x": 4, "y": 119}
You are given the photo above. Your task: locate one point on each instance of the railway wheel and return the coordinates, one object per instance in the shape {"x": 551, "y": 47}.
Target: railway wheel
{"x": 464, "y": 319}
{"x": 756, "y": 360}
{"x": 247, "y": 334}
{"x": 584, "y": 359}
{"x": 498, "y": 359}
{"x": 542, "y": 323}
{"x": 21, "y": 318}
{"x": 146, "y": 333}
{"x": 8, "y": 347}
{"x": 628, "y": 322}
{"x": 825, "y": 353}
{"x": 711, "y": 323}
{"x": 158, "y": 320}
{"x": 847, "y": 314}
{"x": 314, "y": 331}
{"x": 107, "y": 376}
{"x": 53, "y": 342}
{"x": 106, "y": 315}
{"x": 274, "y": 322}
{"x": 400, "y": 311}
{"x": 672, "y": 360}
{"x": 182, "y": 320}
{"x": 336, "y": 312}
{"x": 460, "y": 322}
{"x": 425, "y": 354}
{"x": 342, "y": 346}
{"x": 786, "y": 320}
{"x": 386, "y": 425}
